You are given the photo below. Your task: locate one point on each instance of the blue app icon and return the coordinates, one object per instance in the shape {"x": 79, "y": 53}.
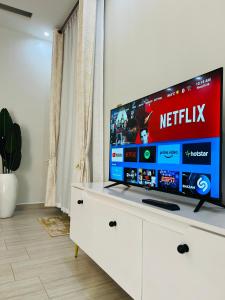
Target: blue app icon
{"x": 203, "y": 185}
{"x": 117, "y": 173}
{"x": 169, "y": 154}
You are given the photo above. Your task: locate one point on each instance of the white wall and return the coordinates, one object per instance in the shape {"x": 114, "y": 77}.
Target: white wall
{"x": 25, "y": 66}
{"x": 152, "y": 44}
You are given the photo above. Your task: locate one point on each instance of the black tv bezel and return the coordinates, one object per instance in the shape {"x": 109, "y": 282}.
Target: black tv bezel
{"x": 216, "y": 201}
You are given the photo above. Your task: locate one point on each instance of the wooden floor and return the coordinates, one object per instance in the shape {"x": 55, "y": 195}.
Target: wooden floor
{"x": 35, "y": 266}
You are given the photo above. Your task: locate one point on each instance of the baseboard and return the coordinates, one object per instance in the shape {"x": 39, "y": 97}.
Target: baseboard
{"x": 25, "y": 206}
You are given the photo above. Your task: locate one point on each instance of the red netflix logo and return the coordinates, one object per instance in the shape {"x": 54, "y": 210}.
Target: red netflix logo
{"x": 130, "y": 154}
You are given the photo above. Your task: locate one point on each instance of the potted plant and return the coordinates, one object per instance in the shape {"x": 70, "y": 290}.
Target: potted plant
{"x": 10, "y": 152}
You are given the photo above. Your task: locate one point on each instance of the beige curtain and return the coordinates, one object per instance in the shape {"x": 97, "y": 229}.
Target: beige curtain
{"x": 97, "y": 149}
{"x": 57, "y": 57}
{"x": 84, "y": 100}
{"x": 85, "y": 71}
{"x": 68, "y": 117}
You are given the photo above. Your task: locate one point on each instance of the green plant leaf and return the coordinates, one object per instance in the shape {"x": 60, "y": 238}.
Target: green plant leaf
{"x": 14, "y": 160}
{"x": 13, "y": 140}
{"x": 2, "y": 146}
{"x": 5, "y": 123}
{"x": 10, "y": 142}
{"x": 18, "y": 137}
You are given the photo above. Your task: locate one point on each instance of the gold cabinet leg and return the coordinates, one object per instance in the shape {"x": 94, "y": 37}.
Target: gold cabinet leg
{"x": 76, "y": 250}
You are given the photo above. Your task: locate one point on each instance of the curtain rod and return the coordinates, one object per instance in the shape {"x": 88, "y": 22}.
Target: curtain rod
{"x": 61, "y": 30}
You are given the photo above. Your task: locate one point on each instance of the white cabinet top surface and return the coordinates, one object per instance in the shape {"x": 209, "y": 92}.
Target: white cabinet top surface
{"x": 210, "y": 217}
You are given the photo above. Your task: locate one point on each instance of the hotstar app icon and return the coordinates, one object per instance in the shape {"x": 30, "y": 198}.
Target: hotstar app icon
{"x": 147, "y": 154}
{"x": 197, "y": 153}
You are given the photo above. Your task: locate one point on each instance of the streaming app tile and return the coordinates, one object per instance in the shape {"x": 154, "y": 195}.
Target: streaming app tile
{"x": 148, "y": 154}
{"x": 117, "y": 173}
{"x": 168, "y": 180}
{"x": 197, "y": 154}
{"x": 169, "y": 154}
{"x": 130, "y": 175}
{"x": 196, "y": 184}
{"x": 147, "y": 177}
{"x": 130, "y": 154}
{"x": 117, "y": 155}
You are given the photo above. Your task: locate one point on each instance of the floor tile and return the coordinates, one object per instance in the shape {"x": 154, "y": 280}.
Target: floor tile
{"x": 37, "y": 241}
{"x": 2, "y": 245}
{"x": 57, "y": 251}
{"x": 22, "y": 288}
{"x": 74, "y": 283}
{"x": 106, "y": 291}
{"x": 43, "y": 266}
{"x": 40, "y": 295}
{"x": 9, "y": 234}
{"x": 14, "y": 255}
{"x": 6, "y": 274}
{"x": 79, "y": 295}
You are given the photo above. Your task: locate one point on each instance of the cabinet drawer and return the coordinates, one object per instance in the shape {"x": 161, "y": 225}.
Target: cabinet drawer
{"x": 118, "y": 240}
{"x": 164, "y": 271}
{"x": 196, "y": 273}
{"x": 206, "y": 264}
{"x": 81, "y": 220}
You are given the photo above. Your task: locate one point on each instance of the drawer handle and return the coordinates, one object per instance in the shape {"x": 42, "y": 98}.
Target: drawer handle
{"x": 112, "y": 224}
{"x": 183, "y": 248}
{"x": 80, "y": 202}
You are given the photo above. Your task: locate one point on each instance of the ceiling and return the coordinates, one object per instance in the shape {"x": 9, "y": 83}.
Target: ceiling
{"x": 47, "y": 14}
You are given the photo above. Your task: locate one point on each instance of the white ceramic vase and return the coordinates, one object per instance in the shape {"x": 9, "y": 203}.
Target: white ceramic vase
{"x": 8, "y": 194}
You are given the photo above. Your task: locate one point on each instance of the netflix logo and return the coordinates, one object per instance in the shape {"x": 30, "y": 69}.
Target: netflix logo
{"x": 130, "y": 154}
{"x": 184, "y": 115}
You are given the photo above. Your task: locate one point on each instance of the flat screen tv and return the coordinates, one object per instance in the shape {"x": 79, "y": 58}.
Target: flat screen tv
{"x": 170, "y": 141}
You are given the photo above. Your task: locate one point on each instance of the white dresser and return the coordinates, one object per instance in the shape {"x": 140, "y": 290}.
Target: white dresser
{"x": 137, "y": 244}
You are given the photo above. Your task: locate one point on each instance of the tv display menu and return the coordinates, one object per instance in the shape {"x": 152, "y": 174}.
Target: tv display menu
{"x": 171, "y": 140}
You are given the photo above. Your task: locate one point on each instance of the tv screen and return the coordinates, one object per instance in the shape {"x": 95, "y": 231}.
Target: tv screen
{"x": 171, "y": 140}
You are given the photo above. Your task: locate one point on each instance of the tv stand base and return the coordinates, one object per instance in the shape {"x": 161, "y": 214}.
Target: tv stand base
{"x": 199, "y": 205}
{"x": 201, "y": 202}
{"x": 114, "y": 184}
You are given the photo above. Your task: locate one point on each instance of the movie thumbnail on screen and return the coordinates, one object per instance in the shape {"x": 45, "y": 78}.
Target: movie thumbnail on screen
{"x": 168, "y": 180}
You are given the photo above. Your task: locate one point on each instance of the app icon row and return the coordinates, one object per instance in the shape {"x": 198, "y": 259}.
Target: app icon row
{"x": 195, "y": 153}
{"x": 192, "y": 183}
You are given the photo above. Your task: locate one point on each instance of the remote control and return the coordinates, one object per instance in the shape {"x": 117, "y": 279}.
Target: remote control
{"x": 162, "y": 204}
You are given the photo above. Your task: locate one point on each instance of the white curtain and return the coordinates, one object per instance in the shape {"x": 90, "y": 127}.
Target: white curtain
{"x": 67, "y": 139}
{"x": 97, "y": 157}
{"x": 57, "y": 56}
{"x": 85, "y": 87}
{"x": 80, "y": 150}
